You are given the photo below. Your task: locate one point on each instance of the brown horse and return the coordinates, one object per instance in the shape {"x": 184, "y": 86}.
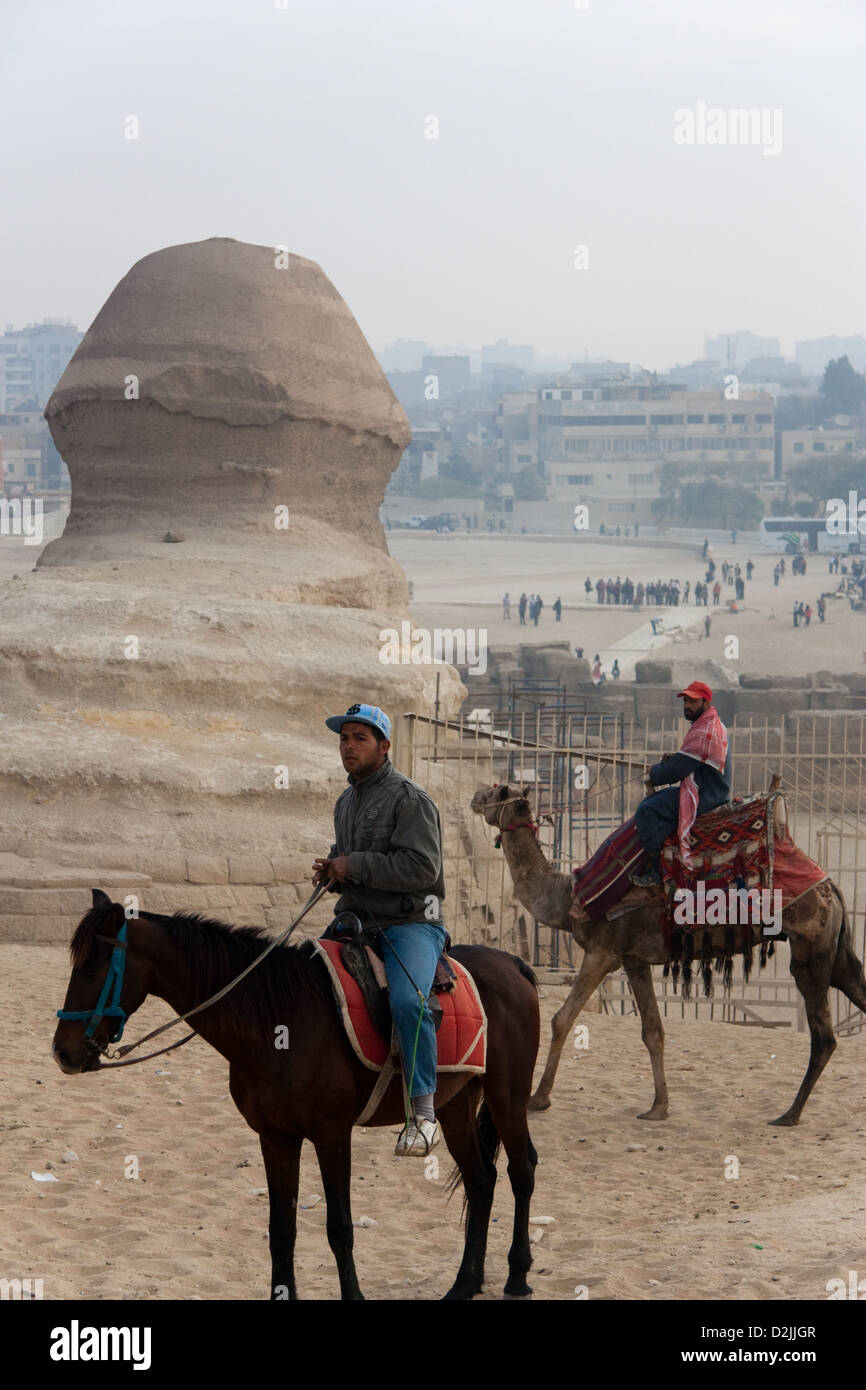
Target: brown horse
{"x": 315, "y": 1088}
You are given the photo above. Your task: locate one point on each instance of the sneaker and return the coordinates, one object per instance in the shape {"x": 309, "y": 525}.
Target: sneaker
{"x": 417, "y": 1139}
{"x": 651, "y": 879}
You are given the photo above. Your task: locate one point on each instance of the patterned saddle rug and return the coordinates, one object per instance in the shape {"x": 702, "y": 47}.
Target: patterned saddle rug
{"x": 736, "y": 851}
{"x": 461, "y": 1036}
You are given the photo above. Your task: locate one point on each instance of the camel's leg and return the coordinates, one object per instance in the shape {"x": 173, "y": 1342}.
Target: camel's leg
{"x": 596, "y": 964}
{"x": 641, "y": 980}
{"x": 478, "y": 1171}
{"x": 335, "y": 1164}
{"x": 847, "y": 972}
{"x": 812, "y": 973}
{"x": 282, "y": 1156}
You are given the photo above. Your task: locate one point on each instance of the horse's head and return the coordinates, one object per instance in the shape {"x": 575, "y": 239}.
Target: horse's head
{"x": 501, "y": 803}
{"x": 104, "y": 988}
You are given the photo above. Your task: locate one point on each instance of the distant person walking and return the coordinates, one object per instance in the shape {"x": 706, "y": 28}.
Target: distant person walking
{"x": 506, "y": 606}
{"x": 521, "y": 609}
{"x": 597, "y": 673}
{"x": 717, "y": 593}
{"x": 539, "y": 604}
{"x": 588, "y": 586}
{"x": 557, "y": 608}
{"x": 614, "y": 670}
{"x": 807, "y": 613}
{"x": 749, "y": 568}
{"x": 708, "y": 622}
{"x": 822, "y": 610}
{"x": 796, "y": 615}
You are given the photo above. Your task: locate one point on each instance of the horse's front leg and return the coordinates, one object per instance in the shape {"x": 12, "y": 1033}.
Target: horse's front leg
{"x": 282, "y": 1155}
{"x": 335, "y": 1164}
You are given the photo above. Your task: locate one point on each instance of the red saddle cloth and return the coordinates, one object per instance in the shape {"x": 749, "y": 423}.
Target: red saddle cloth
{"x": 734, "y": 845}
{"x": 728, "y": 844}
{"x": 606, "y": 877}
{"x": 461, "y": 1040}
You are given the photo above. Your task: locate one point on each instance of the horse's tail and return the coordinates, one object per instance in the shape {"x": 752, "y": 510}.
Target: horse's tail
{"x": 488, "y": 1145}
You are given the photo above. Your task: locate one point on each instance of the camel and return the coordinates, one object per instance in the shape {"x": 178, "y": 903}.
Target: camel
{"x": 631, "y": 936}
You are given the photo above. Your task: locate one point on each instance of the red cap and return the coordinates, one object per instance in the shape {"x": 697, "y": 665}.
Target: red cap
{"x": 697, "y": 691}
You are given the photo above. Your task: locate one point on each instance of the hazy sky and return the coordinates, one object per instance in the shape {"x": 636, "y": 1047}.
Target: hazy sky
{"x": 305, "y": 125}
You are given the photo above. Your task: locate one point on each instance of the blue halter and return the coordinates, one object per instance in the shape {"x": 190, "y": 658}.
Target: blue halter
{"x": 114, "y": 977}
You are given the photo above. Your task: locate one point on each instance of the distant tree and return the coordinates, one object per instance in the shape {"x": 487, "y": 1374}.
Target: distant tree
{"x": 843, "y": 390}
{"x": 798, "y": 412}
{"x": 528, "y": 487}
{"x": 459, "y": 467}
{"x": 830, "y": 476}
{"x": 713, "y": 503}
{"x": 670, "y": 481}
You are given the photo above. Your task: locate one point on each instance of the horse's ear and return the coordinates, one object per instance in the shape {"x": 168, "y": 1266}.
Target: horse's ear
{"x": 100, "y": 899}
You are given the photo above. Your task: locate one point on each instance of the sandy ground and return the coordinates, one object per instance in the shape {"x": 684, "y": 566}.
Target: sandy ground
{"x": 459, "y": 582}
{"x": 658, "y": 1221}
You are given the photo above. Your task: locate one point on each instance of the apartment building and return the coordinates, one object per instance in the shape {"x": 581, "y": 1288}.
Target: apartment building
{"x": 606, "y": 444}
{"x": 798, "y": 447}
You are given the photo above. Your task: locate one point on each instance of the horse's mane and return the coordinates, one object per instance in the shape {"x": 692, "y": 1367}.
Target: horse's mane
{"x": 213, "y": 952}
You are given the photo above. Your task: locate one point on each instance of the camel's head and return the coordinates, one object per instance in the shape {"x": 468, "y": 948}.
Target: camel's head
{"x": 502, "y": 803}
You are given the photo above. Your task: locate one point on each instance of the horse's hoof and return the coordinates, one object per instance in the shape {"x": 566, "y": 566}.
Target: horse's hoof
{"x": 538, "y": 1103}
{"x": 784, "y": 1120}
{"x": 518, "y": 1297}
{"x": 654, "y": 1114}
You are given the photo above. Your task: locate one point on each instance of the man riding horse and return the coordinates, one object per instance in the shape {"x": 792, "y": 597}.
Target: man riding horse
{"x": 387, "y": 857}
{"x": 702, "y": 768}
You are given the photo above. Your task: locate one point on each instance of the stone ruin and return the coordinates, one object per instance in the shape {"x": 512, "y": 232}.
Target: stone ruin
{"x": 218, "y": 590}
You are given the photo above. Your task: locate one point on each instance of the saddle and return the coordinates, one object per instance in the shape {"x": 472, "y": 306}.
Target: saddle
{"x": 357, "y": 976}
{"x": 362, "y": 955}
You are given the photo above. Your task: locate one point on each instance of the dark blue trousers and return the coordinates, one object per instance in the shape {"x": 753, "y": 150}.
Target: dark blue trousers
{"x": 658, "y": 815}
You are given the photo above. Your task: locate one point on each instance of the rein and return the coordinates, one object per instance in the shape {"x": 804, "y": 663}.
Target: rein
{"x": 114, "y": 977}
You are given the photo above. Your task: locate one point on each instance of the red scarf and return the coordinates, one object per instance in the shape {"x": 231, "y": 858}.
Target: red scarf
{"x": 707, "y": 740}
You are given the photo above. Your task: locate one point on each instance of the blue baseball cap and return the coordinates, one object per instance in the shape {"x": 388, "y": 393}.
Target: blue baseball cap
{"x": 361, "y": 714}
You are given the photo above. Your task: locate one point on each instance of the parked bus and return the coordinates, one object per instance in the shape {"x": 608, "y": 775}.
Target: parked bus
{"x": 788, "y": 535}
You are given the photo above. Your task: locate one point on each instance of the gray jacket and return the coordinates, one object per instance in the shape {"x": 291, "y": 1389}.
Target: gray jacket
{"x": 389, "y": 827}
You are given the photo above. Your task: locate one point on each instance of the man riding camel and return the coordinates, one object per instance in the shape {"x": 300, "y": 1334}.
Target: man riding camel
{"x": 703, "y": 770}
{"x": 387, "y": 857}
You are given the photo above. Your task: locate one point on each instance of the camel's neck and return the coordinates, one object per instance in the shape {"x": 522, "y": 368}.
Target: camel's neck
{"x": 543, "y": 890}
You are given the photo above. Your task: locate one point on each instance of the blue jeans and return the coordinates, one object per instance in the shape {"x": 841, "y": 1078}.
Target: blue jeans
{"x": 419, "y": 946}
{"x": 658, "y": 816}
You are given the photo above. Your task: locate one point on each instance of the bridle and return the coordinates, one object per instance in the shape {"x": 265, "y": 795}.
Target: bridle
{"x": 113, "y": 984}
{"x": 523, "y": 825}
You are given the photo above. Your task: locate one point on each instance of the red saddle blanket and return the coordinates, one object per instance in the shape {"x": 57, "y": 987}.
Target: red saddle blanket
{"x": 606, "y": 877}
{"x": 728, "y": 844}
{"x": 735, "y": 844}
{"x": 461, "y": 1040}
